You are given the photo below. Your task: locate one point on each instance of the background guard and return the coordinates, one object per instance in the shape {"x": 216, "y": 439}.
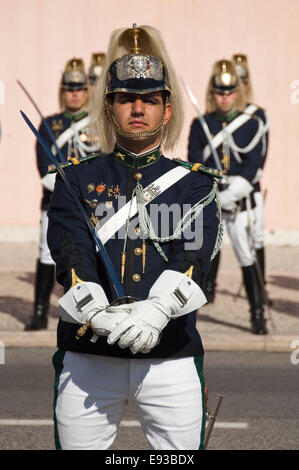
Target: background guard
{"x": 70, "y": 128}
{"x": 241, "y": 64}
{"x": 237, "y": 137}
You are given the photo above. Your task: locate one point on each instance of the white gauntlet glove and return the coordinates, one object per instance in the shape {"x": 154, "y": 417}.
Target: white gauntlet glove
{"x": 104, "y": 321}
{"x": 48, "y": 181}
{"x": 87, "y": 302}
{"x": 238, "y": 189}
{"x": 227, "y": 202}
{"x": 172, "y": 295}
{"x": 142, "y": 327}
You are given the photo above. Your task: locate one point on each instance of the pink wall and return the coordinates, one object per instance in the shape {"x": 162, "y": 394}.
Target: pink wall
{"x": 37, "y": 37}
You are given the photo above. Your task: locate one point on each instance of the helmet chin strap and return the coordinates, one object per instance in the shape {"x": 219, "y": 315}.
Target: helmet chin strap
{"x": 133, "y": 135}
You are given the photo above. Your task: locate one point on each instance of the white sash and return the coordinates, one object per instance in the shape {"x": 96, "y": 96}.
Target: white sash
{"x": 70, "y": 132}
{"x": 115, "y": 223}
{"x": 231, "y": 127}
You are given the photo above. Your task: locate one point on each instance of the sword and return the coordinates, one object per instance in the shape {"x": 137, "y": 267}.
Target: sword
{"x": 45, "y": 122}
{"x": 117, "y": 287}
{"x": 203, "y": 125}
{"x": 212, "y": 418}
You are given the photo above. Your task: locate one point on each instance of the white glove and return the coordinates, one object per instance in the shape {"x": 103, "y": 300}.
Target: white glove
{"x": 239, "y": 188}
{"x": 48, "y": 181}
{"x": 142, "y": 329}
{"x": 227, "y": 201}
{"x": 172, "y": 295}
{"x": 87, "y": 302}
{"x": 104, "y": 321}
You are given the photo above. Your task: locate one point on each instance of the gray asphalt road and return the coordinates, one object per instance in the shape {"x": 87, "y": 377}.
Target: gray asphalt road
{"x": 259, "y": 411}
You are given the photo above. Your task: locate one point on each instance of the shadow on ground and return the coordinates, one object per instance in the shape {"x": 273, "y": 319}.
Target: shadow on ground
{"x": 21, "y": 309}
{"x": 216, "y": 321}
{"x": 284, "y": 281}
{"x": 30, "y": 279}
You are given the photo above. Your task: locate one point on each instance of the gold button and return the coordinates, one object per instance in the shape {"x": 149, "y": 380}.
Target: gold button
{"x": 136, "y": 277}
{"x": 137, "y": 251}
{"x": 138, "y": 176}
{"x": 137, "y": 230}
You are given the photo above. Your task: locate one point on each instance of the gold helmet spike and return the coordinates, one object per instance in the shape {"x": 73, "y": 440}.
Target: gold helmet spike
{"x": 97, "y": 58}
{"x": 241, "y": 64}
{"x": 134, "y": 34}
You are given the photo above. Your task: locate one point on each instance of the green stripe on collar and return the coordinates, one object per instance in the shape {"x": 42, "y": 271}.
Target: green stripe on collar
{"x": 136, "y": 161}
{"x": 199, "y": 167}
{"x": 226, "y": 118}
{"x": 74, "y": 117}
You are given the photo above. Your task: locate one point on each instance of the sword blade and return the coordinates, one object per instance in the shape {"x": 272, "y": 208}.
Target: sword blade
{"x": 48, "y": 128}
{"x": 118, "y": 289}
{"x": 191, "y": 96}
{"x": 203, "y": 124}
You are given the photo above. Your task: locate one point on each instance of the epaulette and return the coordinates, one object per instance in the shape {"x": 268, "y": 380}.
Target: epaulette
{"x": 259, "y": 107}
{"x": 199, "y": 167}
{"x": 73, "y": 161}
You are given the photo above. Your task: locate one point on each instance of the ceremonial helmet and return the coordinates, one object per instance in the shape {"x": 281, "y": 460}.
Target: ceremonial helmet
{"x": 224, "y": 80}
{"x": 96, "y": 67}
{"x": 73, "y": 78}
{"x": 136, "y": 62}
{"x": 240, "y": 61}
{"x": 241, "y": 65}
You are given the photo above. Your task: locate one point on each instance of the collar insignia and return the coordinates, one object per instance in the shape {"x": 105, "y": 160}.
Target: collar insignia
{"x": 136, "y": 161}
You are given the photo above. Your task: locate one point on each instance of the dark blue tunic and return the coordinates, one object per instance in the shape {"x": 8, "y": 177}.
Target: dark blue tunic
{"x": 58, "y": 123}
{"x": 250, "y": 161}
{"x": 72, "y": 246}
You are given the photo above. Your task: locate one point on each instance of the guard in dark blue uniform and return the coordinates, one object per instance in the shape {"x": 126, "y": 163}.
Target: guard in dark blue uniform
{"x": 241, "y": 63}
{"x": 236, "y": 137}
{"x": 158, "y": 220}
{"x": 70, "y": 128}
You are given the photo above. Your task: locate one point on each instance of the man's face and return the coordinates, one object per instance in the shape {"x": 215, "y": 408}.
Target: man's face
{"x": 136, "y": 113}
{"x": 226, "y": 103}
{"x": 74, "y": 100}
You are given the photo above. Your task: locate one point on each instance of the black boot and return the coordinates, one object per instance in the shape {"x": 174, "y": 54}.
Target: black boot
{"x": 44, "y": 283}
{"x": 260, "y": 253}
{"x": 255, "y": 298}
{"x": 209, "y": 283}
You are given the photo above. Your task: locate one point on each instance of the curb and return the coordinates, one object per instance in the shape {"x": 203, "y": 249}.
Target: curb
{"x": 211, "y": 341}
{"x": 28, "y": 339}
{"x": 248, "y": 342}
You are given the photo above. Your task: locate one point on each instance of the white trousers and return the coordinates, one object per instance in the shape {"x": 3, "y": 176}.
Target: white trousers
{"x": 241, "y": 235}
{"x": 44, "y": 252}
{"x": 93, "y": 391}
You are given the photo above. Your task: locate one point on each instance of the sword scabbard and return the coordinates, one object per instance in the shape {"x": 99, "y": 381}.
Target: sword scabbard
{"x": 212, "y": 419}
